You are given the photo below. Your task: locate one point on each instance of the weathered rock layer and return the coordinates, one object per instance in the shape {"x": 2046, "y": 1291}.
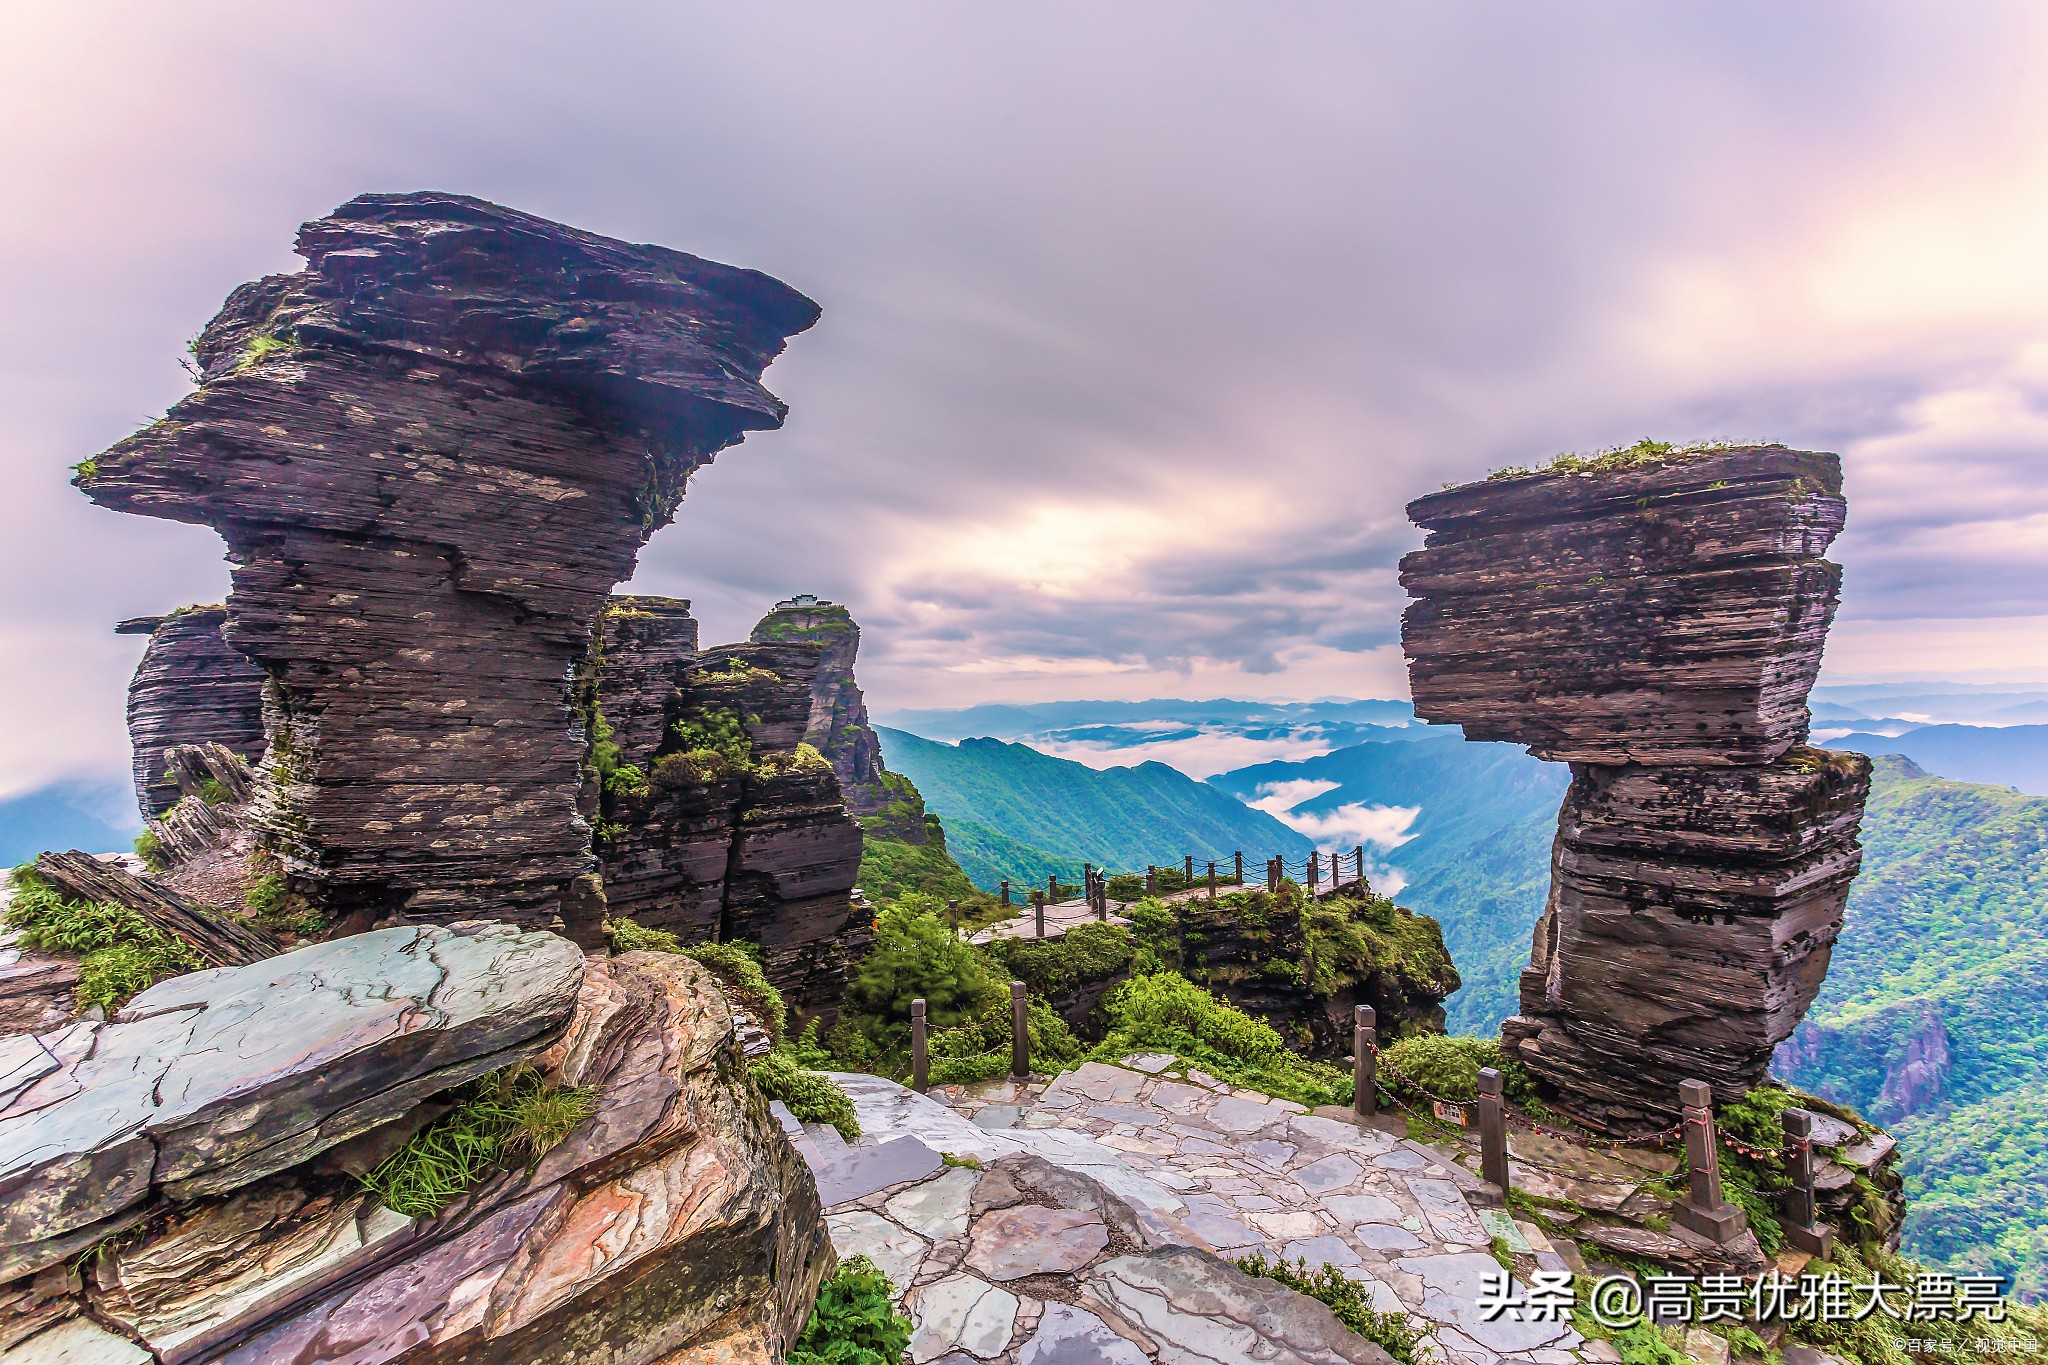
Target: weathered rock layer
{"x": 190, "y": 688}
{"x": 721, "y": 822}
{"x": 432, "y": 453}
{"x": 1658, "y": 625}
{"x": 674, "y": 1223}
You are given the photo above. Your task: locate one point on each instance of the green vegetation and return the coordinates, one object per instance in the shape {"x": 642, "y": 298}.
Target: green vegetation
{"x": 260, "y": 347}
{"x": 510, "y": 1115}
{"x": 1448, "y": 1065}
{"x": 735, "y": 966}
{"x": 1875, "y": 1341}
{"x": 1945, "y": 952}
{"x": 214, "y": 792}
{"x": 1353, "y": 937}
{"x": 810, "y": 1096}
{"x": 1345, "y": 1297}
{"x": 1618, "y": 458}
{"x": 1165, "y": 1012}
{"x": 151, "y": 850}
{"x": 854, "y": 1321}
{"x": 270, "y": 903}
{"x": 1086, "y": 953}
{"x": 85, "y": 471}
{"x": 120, "y": 954}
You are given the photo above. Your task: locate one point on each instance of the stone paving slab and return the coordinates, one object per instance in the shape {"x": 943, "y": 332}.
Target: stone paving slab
{"x": 1197, "y": 1166}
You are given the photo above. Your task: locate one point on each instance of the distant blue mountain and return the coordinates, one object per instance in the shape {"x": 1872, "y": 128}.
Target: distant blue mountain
{"x": 1011, "y": 811}
{"x": 1122, "y": 723}
{"x": 95, "y": 815}
{"x": 2002, "y": 756}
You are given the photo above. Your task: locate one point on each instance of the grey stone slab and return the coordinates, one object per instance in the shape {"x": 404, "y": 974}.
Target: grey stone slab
{"x": 1203, "y": 1311}
{"x": 1269, "y": 1152}
{"x": 1364, "y": 1208}
{"x": 938, "y": 1207}
{"x": 896, "y": 1253}
{"x": 1124, "y": 1113}
{"x": 857, "y": 1172}
{"x": 1321, "y": 1251}
{"x": 1153, "y": 1062}
{"x": 1068, "y": 1335}
{"x": 1029, "y": 1239}
{"x": 1399, "y": 1159}
{"x": 76, "y": 1342}
{"x": 1234, "y": 1115}
{"x": 961, "y": 1313}
{"x": 1333, "y": 1172}
{"x": 214, "y": 1079}
{"x": 1450, "y": 1295}
{"x": 1446, "y": 1211}
{"x": 1099, "y": 1081}
{"x": 1225, "y": 1234}
{"x": 1387, "y": 1237}
{"x": 1174, "y": 1098}
{"x": 998, "y": 1116}
{"x": 1337, "y": 1133}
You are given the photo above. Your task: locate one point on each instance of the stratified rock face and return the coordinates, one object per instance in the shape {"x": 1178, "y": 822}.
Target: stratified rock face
{"x": 1659, "y": 627}
{"x": 729, "y": 826}
{"x": 839, "y": 727}
{"x": 213, "y": 1080}
{"x": 432, "y": 453}
{"x": 1692, "y": 913}
{"x": 674, "y": 1223}
{"x": 190, "y": 688}
{"x": 1670, "y": 613}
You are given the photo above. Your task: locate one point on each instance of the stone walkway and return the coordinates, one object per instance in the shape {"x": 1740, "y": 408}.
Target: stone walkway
{"x": 1182, "y": 1165}
{"x": 1060, "y": 916}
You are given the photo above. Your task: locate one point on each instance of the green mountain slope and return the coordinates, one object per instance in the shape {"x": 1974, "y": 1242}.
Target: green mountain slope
{"x": 1934, "y": 1017}
{"x": 1031, "y": 807}
{"x": 1478, "y": 856}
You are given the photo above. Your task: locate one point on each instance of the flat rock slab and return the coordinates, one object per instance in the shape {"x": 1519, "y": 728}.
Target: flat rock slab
{"x": 1032, "y": 1240}
{"x": 1451, "y": 1292}
{"x": 1068, "y": 1335}
{"x": 897, "y": 1253}
{"x": 938, "y": 1207}
{"x": 76, "y": 1342}
{"x": 960, "y": 1313}
{"x": 851, "y": 1173}
{"x": 218, "y": 1078}
{"x": 1204, "y": 1311}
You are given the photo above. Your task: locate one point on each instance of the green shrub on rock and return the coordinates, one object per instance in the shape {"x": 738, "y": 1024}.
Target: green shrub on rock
{"x": 1447, "y": 1066}
{"x": 1165, "y": 1012}
{"x": 1345, "y": 1297}
{"x": 509, "y": 1115}
{"x": 812, "y": 1097}
{"x": 734, "y": 965}
{"x": 120, "y": 954}
{"x": 854, "y": 1321}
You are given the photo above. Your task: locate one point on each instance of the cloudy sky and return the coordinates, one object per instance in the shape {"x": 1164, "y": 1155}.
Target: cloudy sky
{"x": 1142, "y": 320}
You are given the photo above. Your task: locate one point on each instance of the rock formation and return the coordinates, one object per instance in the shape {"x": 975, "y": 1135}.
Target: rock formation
{"x": 673, "y": 1223}
{"x": 190, "y": 688}
{"x": 839, "y": 727}
{"x": 715, "y": 819}
{"x": 1657, "y": 623}
{"x": 432, "y": 453}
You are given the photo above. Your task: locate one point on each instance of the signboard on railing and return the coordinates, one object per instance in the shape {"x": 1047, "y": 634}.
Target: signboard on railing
{"x": 1449, "y": 1113}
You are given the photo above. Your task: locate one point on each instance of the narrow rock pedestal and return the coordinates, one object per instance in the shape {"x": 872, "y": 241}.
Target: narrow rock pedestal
{"x": 1656, "y": 623}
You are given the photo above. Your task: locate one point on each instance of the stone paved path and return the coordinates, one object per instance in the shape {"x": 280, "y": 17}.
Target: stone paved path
{"x": 1184, "y": 1161}
{"x": 1060, "y": 916}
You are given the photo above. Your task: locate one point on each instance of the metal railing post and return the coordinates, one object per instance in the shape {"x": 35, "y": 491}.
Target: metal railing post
{"x": 1493, "y": 1131}
{"x": 1151, "y": 880}
{"x": 1237, "y": 858}
{"x": 1212, "y": 879}
{"x": 1187, "y": 872}
{"x": 1365, "y": 1048}
{"x": 920, "y": 1061}
{"x": 1020, "y": 1033}
{"x": 1315, "y": 871}
{"x": 1006, "y": 894}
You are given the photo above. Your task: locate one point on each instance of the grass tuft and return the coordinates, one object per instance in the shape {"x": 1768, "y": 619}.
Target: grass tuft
{"x": 812, "y": 1097}
{"x": 120, "y": 954}
{"x": 1343, "y": 1296}
{"x": 511, "y": 1115}
{"x": 854, "y": 1321}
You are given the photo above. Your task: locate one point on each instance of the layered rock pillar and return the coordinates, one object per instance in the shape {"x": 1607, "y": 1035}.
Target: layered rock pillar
{"x": 432, "y": 453}
{"x": 190, "y": 688}
{"x": 1657, "y": 623}
{"x": 716, "y": 819}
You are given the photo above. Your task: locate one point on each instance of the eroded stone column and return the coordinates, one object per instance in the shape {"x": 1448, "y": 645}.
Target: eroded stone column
{"x": 1657, "y": 624}
{"x": 432, "y": 453}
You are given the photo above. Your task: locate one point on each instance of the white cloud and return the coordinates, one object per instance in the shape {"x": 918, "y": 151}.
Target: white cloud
{"x": 1200, "y": 756}
{"x": 1278, "y": 798}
